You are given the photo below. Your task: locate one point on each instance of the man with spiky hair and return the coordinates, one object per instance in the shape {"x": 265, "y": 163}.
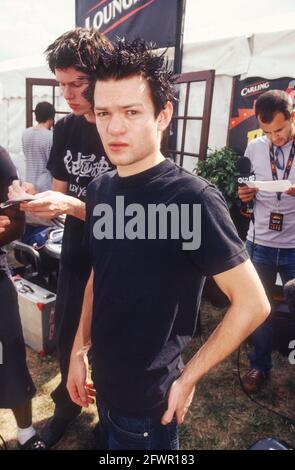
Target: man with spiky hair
{"x": 141, "y": 301}
{"x": 77, "y": 156}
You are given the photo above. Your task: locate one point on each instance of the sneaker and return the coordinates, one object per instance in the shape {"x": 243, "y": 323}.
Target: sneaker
{"x": 254, "y": 379}
{"x": 56, "y": 426}
{"x": 35, "y": 443}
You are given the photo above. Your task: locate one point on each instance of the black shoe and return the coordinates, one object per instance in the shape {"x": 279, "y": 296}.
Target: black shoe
{"x": 35, "y": 443}
{"x": 56, "y": 426}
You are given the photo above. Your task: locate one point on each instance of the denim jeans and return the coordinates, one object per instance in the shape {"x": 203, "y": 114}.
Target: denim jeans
{"x": 268, "y": 262}
{"x": 124, "y": 433}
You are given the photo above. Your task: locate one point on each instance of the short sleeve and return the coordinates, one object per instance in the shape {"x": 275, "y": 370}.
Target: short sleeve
{"x": 221, "y": 248}
{"x": 56, "y": 159}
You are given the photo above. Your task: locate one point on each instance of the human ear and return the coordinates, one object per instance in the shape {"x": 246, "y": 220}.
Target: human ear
{"x": 165, "y": 116}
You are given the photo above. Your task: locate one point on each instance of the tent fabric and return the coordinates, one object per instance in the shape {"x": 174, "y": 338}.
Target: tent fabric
{"x": 273, "y": 55}
{"x": 230, "y": 56}
{"x": 13, "y": 74}
{"x": 268, "y": 55}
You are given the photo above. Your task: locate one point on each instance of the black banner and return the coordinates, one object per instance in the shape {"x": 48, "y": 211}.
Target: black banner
{"x": 152, "y": 20}
{"x": 243, "y": 125}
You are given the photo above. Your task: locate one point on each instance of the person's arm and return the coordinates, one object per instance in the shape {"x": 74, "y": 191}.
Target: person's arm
{"x": 60, "y": 186}
{"x": 4, "y": 222}
{"x": 249, "y": 308}
{"x": 50, "y": 204}
{"x": 81, "y": 392}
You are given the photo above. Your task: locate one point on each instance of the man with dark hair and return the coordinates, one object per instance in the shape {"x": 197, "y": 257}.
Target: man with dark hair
{"x": 44, "y": 112}
{"x": 16, "y": 386}
{"x": 77, "y": 156}
{"x": 272, "y": 102}
{"x": 271, "y": 236}
{"x": 149, "y": 268}
{"x": 37, "y": 143}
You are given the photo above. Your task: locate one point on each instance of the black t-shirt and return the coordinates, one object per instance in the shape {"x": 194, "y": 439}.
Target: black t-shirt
{"x": 147, "y": 291}
{"x": 77, "y": 156}
{"x": 7, "y": 175}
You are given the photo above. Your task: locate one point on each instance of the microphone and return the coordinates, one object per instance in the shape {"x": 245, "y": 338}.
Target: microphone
{"x": 245, "y": 174}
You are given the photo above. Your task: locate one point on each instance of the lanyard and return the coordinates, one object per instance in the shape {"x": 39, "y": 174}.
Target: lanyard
{"x": 288, "y": 166}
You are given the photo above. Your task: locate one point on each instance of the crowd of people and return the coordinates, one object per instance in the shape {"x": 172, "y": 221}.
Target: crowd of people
{"x": 129, "y": 288}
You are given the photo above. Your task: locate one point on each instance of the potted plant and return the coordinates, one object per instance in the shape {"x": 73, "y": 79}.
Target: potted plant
{"x": 220, "y": 169}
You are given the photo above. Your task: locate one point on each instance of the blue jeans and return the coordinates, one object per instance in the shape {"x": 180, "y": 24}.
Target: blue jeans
{"x": 123, "y": 433}
{"x": 268, "y": 262}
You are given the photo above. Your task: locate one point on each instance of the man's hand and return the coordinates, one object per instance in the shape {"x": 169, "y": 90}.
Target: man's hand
{"x": 179, "y": 400}
{"x": 291, "y": 190}
{"x": 247, "y": 194}
{"x": 81, "y": 392}
{"x": 51, "y": 204}
{"x": 4, "y": 222}
{"x": 48, "y": 204}
{"x": 16, "y": 189}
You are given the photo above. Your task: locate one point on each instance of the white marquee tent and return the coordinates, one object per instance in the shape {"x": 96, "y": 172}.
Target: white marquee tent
{"x": 269, "y": 55}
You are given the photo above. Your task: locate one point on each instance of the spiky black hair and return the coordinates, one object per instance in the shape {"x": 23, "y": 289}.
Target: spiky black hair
{"x": 129, "y": 58}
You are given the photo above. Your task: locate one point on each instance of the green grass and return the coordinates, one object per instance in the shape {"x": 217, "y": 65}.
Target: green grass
{"x": 222, "y": 416}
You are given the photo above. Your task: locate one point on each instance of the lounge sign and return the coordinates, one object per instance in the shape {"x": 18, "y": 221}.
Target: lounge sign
{"x": 152, "y": 20}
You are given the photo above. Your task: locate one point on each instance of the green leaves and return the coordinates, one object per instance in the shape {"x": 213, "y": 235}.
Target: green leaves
{"x": 220, "y": 169}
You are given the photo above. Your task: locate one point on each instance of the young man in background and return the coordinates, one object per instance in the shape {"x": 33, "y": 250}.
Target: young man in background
{"x": 77, "y": 157}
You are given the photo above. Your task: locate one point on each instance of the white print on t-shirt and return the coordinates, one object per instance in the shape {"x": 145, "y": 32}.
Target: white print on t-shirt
{"x": 86, "y": 166}
{"x": 80, "y": 191}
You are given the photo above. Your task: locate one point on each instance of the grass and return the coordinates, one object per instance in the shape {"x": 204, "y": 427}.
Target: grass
{"x": 220, "y": 417}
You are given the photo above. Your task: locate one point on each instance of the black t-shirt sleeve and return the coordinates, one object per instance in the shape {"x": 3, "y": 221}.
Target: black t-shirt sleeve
{"x": 55, "y": 162}
{"x": 221, "y": 248}
{"x": 8, "y": 173}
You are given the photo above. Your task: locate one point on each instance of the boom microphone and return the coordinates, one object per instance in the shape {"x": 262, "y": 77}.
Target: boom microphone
{"x": 245, "y": 174}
